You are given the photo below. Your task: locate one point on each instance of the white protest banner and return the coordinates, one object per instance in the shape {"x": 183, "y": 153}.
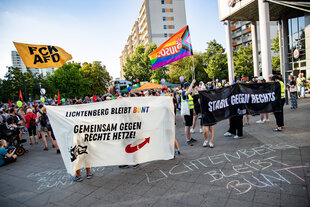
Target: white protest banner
{"x": 124, "y": 131}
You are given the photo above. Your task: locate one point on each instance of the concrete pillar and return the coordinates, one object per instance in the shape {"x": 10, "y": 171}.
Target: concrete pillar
{"x": 282, "y": 67}
{"x": 307, "y": 47}
{"x": 229, "y": 53}
{"x": 255, "y": 48}
{"x": 284, "y": 53}
{"x": 264, "y": 25}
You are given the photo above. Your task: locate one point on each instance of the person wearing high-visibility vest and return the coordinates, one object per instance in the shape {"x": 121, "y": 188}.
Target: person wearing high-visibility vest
{"x": 279, "y": 115}
{"x": 186, "y": 95}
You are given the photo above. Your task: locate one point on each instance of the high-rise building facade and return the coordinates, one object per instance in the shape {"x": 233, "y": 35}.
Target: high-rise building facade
{"x": 18, "y": 63}
{"x": 158, "y": 21}
{"x": 241, "y": 33}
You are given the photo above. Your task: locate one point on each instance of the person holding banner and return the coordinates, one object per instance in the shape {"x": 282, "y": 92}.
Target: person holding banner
{"x": 78, "y": 177}
{"x": 279, "y": 115}
{"x": 186, "y": 95}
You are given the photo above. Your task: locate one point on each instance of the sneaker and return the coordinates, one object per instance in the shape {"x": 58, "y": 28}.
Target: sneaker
{"x": 201, "y": 130}
{"x": 136, "y": 166}
{"x": 58, "y": 151}
{"x": 193, "y": 140}
{"x": 266, "y": 120}
{"x": 192, "y": 130}
{"x": 45, "y": 149}
{"x": 260, "y": 122}
{"x": 89, "y": 176}
{"x": 77, "y": 179}
{"x": 227, "y": 134}
{"x": 205, "y": 144}
{"x": 211, "y": 145}
{"x": 236, "y": 137}
{"x": 189, "y": 143}
{"x": 123, "y": 166}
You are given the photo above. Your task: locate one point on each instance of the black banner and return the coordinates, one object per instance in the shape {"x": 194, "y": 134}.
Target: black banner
{"x": 238, "y": 99}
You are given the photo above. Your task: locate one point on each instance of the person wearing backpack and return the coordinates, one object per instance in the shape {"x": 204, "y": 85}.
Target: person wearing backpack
{"x": 45, "y": 126}
{"x": 31, "y": 125}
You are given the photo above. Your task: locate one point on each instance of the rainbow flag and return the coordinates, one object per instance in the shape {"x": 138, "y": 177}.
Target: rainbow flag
{"x": 175, "y": 48}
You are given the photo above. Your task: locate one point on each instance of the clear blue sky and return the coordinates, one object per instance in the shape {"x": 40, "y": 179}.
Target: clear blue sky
{"x": 94, "y": 30}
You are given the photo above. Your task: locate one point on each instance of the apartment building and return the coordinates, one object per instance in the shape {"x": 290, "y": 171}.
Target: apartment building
{"x": 241, "y": 33}
{"x": 18, "y": 62}
{"x": 158, "y": 20}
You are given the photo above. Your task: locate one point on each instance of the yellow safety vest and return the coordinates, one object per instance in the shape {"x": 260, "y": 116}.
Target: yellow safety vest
{"x": 190, "y": 101}
{"x": 282, "y": 90}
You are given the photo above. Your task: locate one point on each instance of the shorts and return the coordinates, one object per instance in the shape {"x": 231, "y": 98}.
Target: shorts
{"x": 32, "y": 131}
{"x": 44, "y": 129}
{"x": 189, "y": 118}
{"x": 205, "y": 121}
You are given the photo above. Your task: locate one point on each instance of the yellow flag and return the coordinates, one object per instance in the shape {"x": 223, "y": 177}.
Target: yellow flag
{"x": 42, "y": 56}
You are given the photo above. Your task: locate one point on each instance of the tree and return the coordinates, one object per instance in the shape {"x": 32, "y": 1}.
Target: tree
{"x": 97, "y": 75}
{"x": 243, "y": 62}
{"x": 275, "y": 59}
{"x": 69, "y": 81}
{"x": 183, "y": 67}
{"x": 139, "y": 65}
{"x": 215, "y": 61}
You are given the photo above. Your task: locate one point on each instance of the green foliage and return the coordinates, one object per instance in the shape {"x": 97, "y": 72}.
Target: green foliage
{"x": 215, "y": 60}
{"x": 243, "y": 62}
{"x": 69, "y": 81}
{"x": 275, "y": 47}
{"x": 183, "y": 67}
{"x": 275, "y": 60}
{"x": 97, "y": 75}
{"x": 139, "y": 65}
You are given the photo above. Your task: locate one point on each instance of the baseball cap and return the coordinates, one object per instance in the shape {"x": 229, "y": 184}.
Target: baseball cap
{"x": 186, "y": 84}
{"x": 244, "y": 78}
{"x": 260, "y": 78}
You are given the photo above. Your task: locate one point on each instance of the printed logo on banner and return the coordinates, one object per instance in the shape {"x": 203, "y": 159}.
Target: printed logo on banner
{"x": 77, "y": 150}
{"x": 231, "y": 3}
{"x": 132, "y": 149}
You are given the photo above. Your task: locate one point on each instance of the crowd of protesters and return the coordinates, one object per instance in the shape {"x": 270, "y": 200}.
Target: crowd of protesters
{"x": 33, "y": 118}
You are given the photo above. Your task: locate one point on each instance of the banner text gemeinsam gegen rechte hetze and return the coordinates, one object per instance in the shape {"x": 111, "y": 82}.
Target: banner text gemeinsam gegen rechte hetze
{"x": 117, "y": 132}
{"x": 238, "y": 99}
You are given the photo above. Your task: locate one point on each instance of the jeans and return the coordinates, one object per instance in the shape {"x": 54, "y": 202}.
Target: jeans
{"x": 301, "y": 91}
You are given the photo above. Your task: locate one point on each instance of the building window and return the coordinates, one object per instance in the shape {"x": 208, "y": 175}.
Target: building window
{"x": 165, "y": 35}
{"x": 169, "y": 10}
{"x": 162, "y": 1}
{"x": 170, "y": 26}
{"x": 171, "y": 34}
{"x": 170, "y": 18}
{"x": 168, "y": 1}
{"x": 164, "y": 18}
{"x": 163, "y": 10}
{"x": 165, "y": 26}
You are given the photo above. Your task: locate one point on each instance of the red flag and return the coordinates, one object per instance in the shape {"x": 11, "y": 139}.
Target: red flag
{"x": 58, "y": 100}
{"x": 34, "y": 102}
{"x": 20, "y": 96}
{"x": 10, "y": 103}
{"x": 95, "y": 98}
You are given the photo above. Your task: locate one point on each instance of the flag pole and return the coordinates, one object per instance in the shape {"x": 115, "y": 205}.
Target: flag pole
{"x": 193, "y": 69}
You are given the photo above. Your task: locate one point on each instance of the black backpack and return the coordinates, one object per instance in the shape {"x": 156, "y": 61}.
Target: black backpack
{"x": 32, "y": 122}
{"x": 43, "y": 119}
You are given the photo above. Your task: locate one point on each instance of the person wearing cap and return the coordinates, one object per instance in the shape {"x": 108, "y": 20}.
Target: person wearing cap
{"x": 31, "y": 125}
{"x": 279, "y": 114}
{"x": 186, "y": 95}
